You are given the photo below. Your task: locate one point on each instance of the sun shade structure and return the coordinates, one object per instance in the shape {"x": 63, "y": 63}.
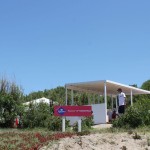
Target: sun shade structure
{"x": 98, "y": 87}
{"x": 104, "y": 88}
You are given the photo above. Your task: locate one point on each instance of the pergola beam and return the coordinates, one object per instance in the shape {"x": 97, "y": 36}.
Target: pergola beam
{"x": 83, "y": 90}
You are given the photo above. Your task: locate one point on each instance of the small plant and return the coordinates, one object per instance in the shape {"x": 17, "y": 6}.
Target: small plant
{"x": 54, "y": 123}
{"x": 136, "y": 136}
{"x": 124, "y": 148}
{"x": 112, "y": 142}
{"x": 83, "y": 133}
{"x": 148, "y": 141}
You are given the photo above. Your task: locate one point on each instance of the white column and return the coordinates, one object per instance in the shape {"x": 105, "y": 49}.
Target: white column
{"x": 116, "y": 106}
{"x": 79, "y": 125}
{"x": 63, "y": 118}
{"x": 112, "y": 102}
{"x": 131, "y": 98}
{"x": 72, "y": 101}
{"x": 105, "y": 98}
{"x": 63, "y": 124}
{"x": 66, "y": 96}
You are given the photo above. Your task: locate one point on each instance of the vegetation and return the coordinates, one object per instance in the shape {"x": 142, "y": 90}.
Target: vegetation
{"x": 146, "y": 86}
{"x": 57, "y": 94}
{"x": 11, "y": 98}
{"x": 138, "y": 114}
{"x": 86, "y": 124}
{"x": 36, "y": 115}
{"x": 41, "y": 115}
{"x": 135, "y": 116}
{"x": 28, "y": 140}
{"x": 36, "y": 138}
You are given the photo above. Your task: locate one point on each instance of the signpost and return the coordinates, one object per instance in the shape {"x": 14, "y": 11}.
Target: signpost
{"x": 73, "y": 111}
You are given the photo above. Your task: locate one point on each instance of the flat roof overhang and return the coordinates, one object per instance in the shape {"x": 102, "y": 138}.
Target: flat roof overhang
{"x": 97, "y": 87}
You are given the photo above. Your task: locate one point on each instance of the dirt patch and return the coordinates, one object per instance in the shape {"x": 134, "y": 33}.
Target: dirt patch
{"x": 101, "y": 141}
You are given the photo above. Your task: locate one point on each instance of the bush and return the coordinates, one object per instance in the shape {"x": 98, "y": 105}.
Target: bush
{"x": 55, "y": 123}
{"x": 11, "y": 97}
{"x": 41, "y": 115}
{"x": 131, "y": 119}
{"x": 36, "y": 115}
{"x": 86, "y": 124}
{"x": 135, "y": 116}
{"x": 143, "y": 106}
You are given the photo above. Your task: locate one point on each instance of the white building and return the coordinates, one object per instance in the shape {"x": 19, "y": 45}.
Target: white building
{"x": 40, "y": 100}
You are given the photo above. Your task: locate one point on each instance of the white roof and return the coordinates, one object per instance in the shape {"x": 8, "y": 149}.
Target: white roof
{"x": 43, "y": 99}
{"x": 98, "y": 87}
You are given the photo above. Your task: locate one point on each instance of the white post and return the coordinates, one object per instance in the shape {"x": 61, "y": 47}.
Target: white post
{"x": 131, "y": 98}
{"x": 63, "y": 118}
{"x": 72, "y": 102}
{"x": 105, "y": 99}
{"x": 116, "y": 105}
{"x": 112, "y": 102}
{"x": 79, "y": 125}
{"x": 63, "y": 124}
{"x": 66, "y": 96}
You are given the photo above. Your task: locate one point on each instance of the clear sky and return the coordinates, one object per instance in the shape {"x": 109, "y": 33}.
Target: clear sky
{"x": 47, "y": 43}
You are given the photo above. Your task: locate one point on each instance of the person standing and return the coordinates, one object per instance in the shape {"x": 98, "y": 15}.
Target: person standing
{"x": 121, "y": 97}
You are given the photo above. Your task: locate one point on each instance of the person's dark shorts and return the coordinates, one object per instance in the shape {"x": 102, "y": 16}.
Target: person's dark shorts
{"x": 121, "y": 109}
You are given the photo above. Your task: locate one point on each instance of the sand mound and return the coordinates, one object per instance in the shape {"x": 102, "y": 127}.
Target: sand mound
{"x": 101, "y": 141}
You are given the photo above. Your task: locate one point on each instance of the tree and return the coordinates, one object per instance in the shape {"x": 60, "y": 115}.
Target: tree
{"x": 36, "y": 115}
{"x": 146, "y": 86}
{"x": 10, "y": 102}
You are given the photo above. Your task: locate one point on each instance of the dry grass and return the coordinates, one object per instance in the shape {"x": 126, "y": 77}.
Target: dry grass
{"x": 34, "y": 139}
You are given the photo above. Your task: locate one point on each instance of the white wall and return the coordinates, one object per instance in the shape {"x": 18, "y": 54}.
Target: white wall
{"x": 99, "y": 114}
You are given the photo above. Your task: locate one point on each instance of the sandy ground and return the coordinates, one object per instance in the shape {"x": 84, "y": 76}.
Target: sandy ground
{"x": 101, "y": 126}
{"x": 102, "y": 141}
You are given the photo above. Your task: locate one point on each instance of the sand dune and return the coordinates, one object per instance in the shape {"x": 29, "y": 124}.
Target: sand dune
{"x": 102, "y": 141}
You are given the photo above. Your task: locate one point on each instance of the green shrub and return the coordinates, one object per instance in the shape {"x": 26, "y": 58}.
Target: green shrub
{"x": 11, "y": 97}
{"x": 148, "y": 141}
{"x": 119, "y": 122}
{"x": 143, "y": 106}
{"x": 41, "y": 115}
{"x": 36, "y": 115}
{"x": 136, "y": 136}
{"x": 86, "y": 124}
{"x": 55, "y": 123}
{"x": 131, "y": 119}
{"x": 135, "y": 116}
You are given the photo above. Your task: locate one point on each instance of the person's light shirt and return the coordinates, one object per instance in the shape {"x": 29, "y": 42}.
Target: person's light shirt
{"x": 121, "y": 98}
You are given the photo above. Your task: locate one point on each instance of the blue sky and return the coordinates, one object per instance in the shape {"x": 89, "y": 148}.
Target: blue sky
{"x": 45, "y": 44}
